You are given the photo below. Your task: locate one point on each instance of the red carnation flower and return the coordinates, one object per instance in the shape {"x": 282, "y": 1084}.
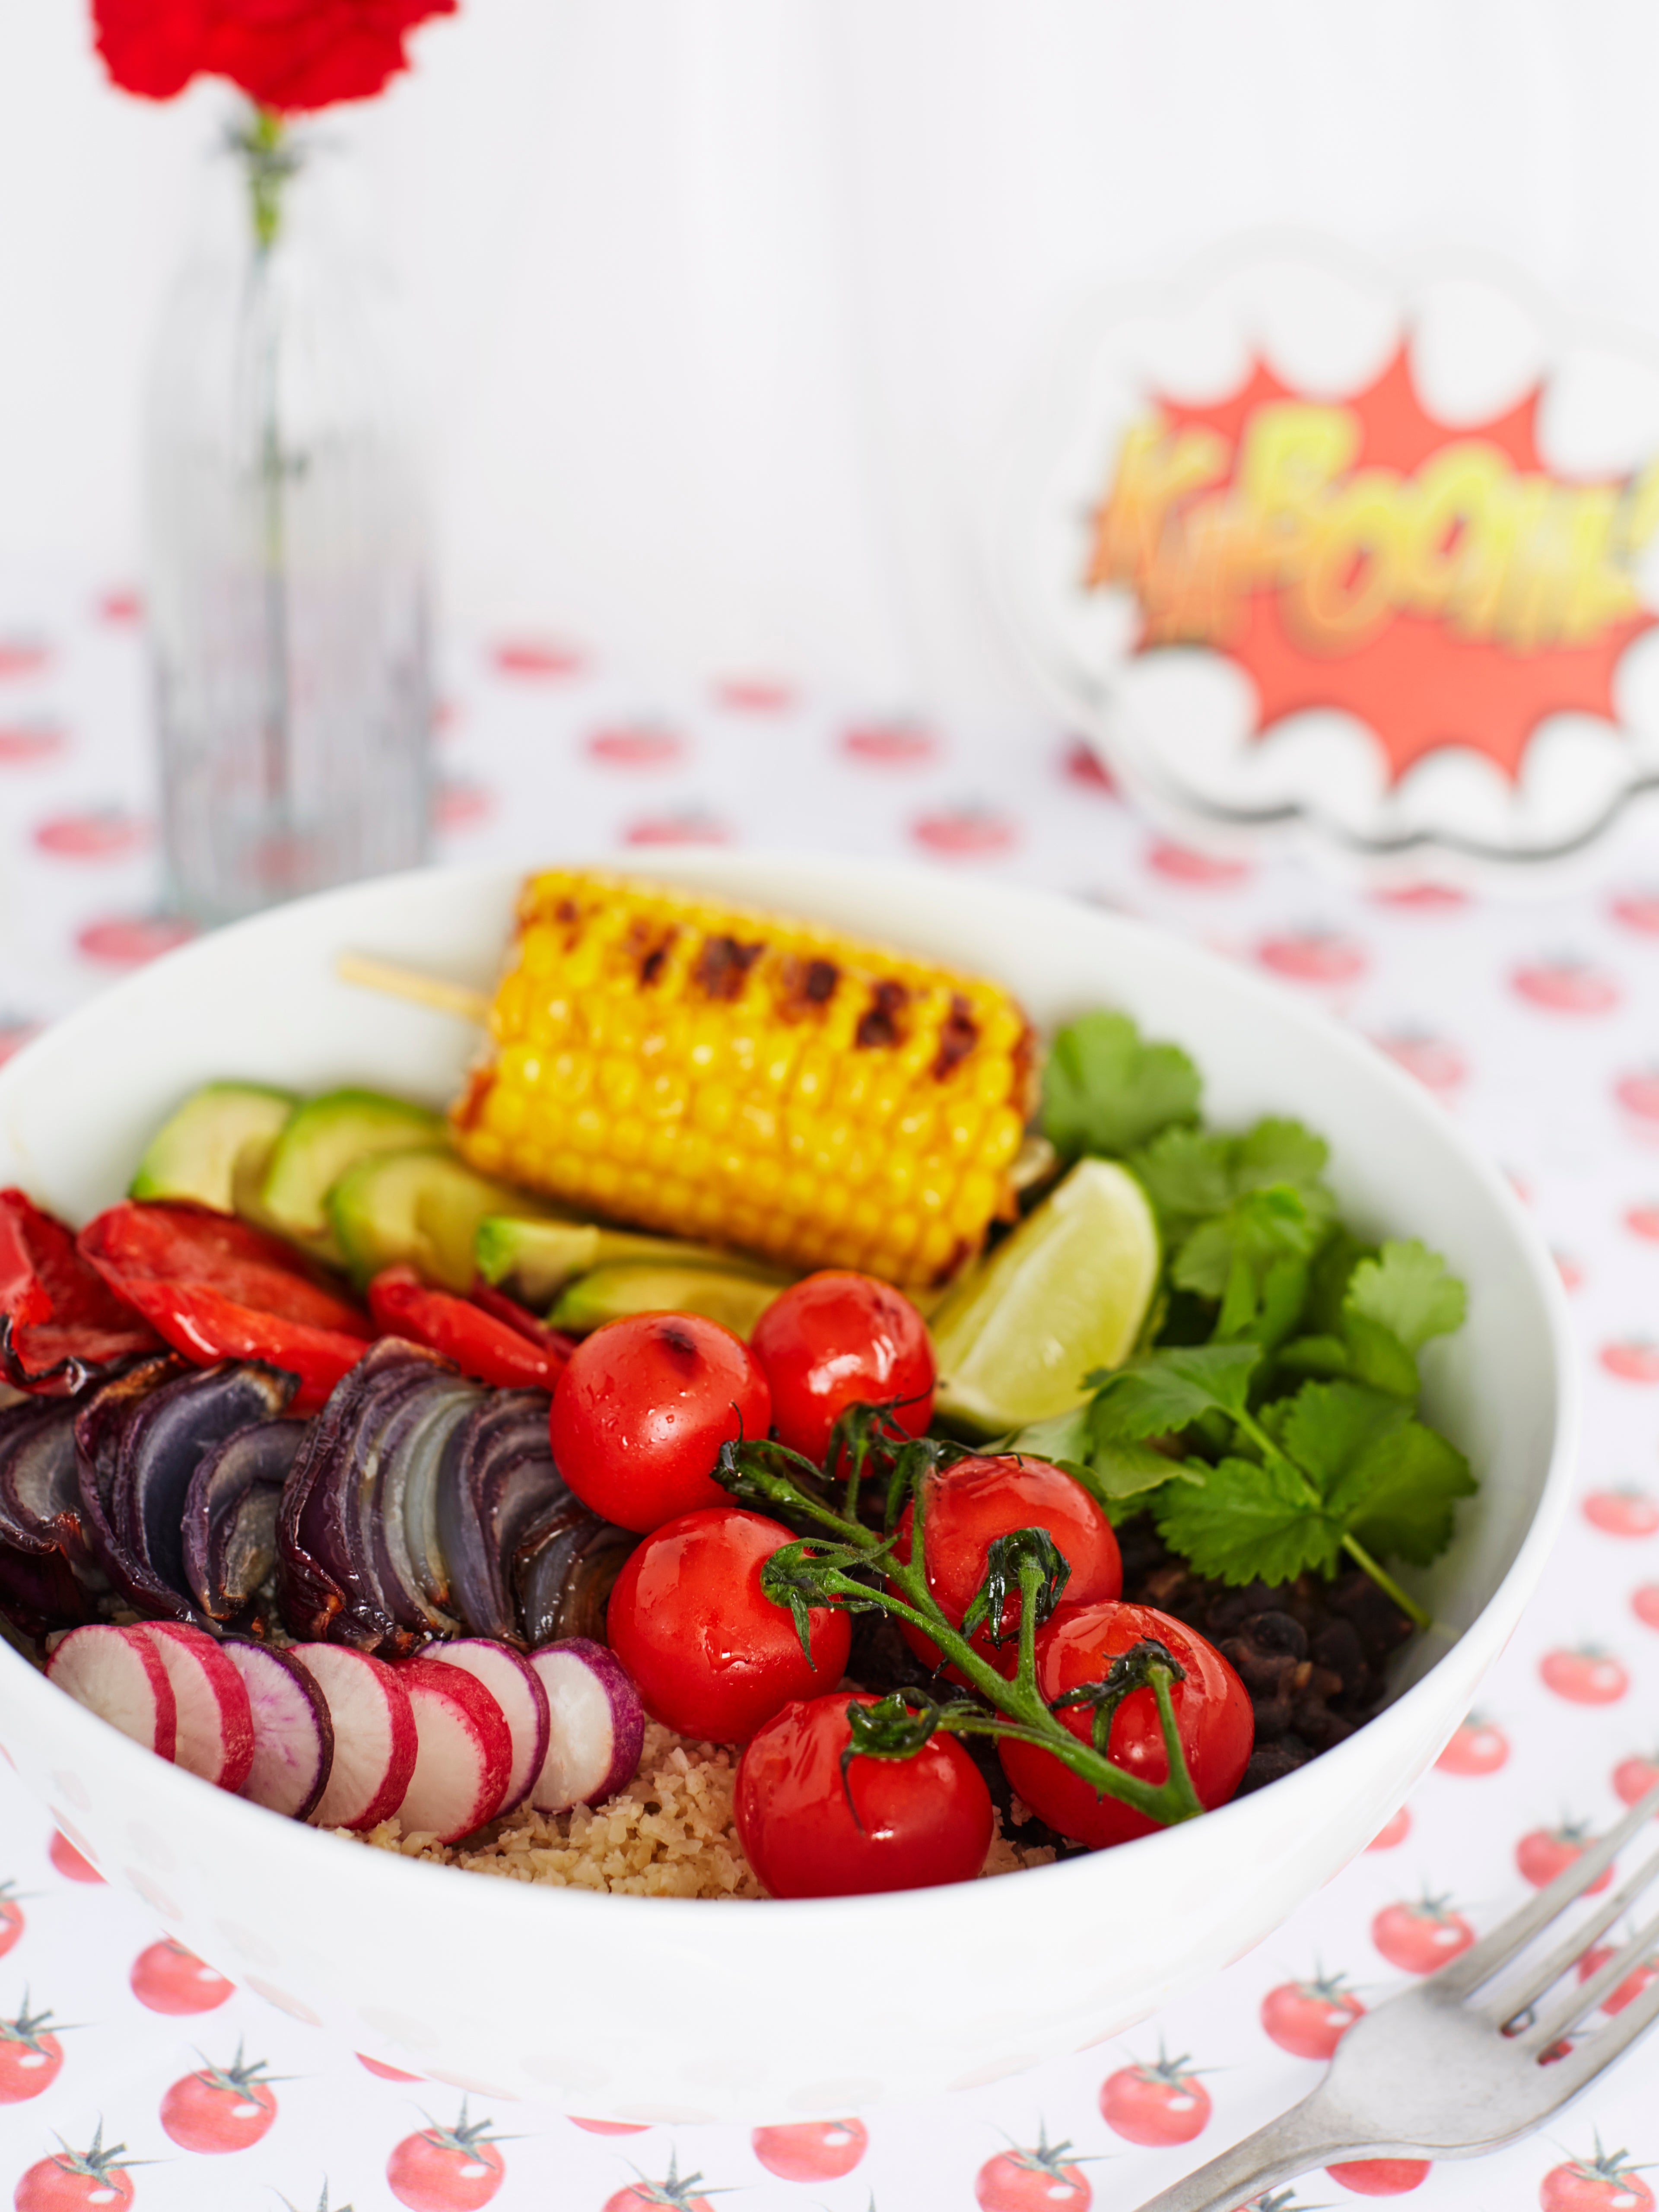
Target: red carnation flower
{"x": 288, "y": 55}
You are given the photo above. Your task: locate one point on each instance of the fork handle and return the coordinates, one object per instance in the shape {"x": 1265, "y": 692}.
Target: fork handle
{"x": 1311, "y": 2134}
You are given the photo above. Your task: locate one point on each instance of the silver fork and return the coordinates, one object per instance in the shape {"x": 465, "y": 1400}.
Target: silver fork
{"x": 1453, "y": 2067}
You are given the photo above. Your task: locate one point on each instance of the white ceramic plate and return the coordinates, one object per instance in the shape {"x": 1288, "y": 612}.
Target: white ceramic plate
{"x": 650, "y": 2008}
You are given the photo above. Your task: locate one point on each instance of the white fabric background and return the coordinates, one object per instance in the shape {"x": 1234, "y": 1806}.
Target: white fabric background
{"x": 722, "y": 307}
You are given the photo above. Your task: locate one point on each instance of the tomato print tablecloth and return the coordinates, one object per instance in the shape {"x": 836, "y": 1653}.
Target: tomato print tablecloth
{"x": 1537, "y": 1024}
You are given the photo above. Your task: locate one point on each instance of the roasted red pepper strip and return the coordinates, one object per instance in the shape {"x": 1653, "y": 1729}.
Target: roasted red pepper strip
{"x": 489, "y": 1350}
{"x": 553, "y": 1341}
{"x": 60, "y": 1323}
{"x": 218, "y": 1289}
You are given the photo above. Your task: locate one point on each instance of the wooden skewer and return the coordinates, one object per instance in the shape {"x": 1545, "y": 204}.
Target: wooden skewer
{"x": 466, "y": 1005}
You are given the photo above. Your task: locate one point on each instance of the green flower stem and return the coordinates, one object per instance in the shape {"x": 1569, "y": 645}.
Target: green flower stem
{"x": 1018, "y": 1702}
{"x": 1352, "y": 1545}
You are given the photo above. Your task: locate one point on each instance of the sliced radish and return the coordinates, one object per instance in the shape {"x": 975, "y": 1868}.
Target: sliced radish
{"x": 517, "y": 1689}
{"x": 117, "y": 1674}
{"x": 215, "y": 1732}
{"x": 374, "y": 1727}
{"x": 597, "y": 1724}
{"x": 465, "y": 1758}
{"x": 292, "y": 1737}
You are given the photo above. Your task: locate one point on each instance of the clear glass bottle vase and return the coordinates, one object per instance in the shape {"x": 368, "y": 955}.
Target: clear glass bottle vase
{"x": 287, "y": 582}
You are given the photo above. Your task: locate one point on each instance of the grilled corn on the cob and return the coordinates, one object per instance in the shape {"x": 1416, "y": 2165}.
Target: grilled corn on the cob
{"x": 722, "y": 1074}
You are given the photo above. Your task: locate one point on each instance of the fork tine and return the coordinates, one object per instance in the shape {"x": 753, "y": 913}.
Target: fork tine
{"x": 1589, "y": 1993}
{"x": 1587, "y": 2059}
{"x": 1542, "y": 1973}
{"x": 1477, "y": 1966}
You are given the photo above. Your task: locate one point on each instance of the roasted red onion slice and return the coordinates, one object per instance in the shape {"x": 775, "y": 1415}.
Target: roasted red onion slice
{"x": 412, "y": 1570}
{"x": 563, "y": 1571}
{"x": 139, "y": 1448}
{"x": 230, "y": 1518}
{"x": 498, "y": 1477}
{"x": 340, "y": 1578}
{"x": 48, "y": 1576}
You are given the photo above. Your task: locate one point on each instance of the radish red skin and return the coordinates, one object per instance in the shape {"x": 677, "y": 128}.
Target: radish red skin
{"x": 214, "y": 1718}
{"x": 134, "y": 1695}
{"x": 366, "y": 1702}
{"x": 463, "y": 1753}
{"x": 293, "y": 1735}
{"x": 584, "y": 1763}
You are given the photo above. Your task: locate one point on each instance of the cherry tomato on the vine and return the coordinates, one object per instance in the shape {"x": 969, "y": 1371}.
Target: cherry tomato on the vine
{"x": 713, "y": 1657}
{"x": 839, "y": 1339}
{"x": 1213, "y": 1718}
{"x": 1417, "y": 1938}
{"x": 814, "y": 2150}
{"x": 72, "y": 2179}
{"x": 1607, "y": 2182}
{"x": 641, "y": 1413}
{"x": 911, "y": 1822}
{"x": 1543, "y": 1853}
{"x": 967, "y": 1505}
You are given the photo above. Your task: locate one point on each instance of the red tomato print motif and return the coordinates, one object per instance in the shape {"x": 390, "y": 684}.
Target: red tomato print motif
{"x": 220, "y": 2108}
{"x": 687, "y": 828}
{"x": 677, "y": 2192}
{"x": 30, "y": 2056}
{"x": 11, "y": 1918}
{"x": 1567, "y": 987}
{"x": 1638, "y": 1094}
{"x": 168, "y": 1978}
{"x": 457, "y": 806}
{"x": 1380, "y": 2177}
{"x": 129, "y": 940}
{"x": 1417, "y": 1938}
{"x": 1632, "y": 1778}
{"x": 754, "y": 695}
{"x": 610, "y": 2127}
{"x": 965, "y": 833}
{"x": 1180, "y": 864}
{"x": 1637, "y": 910}
{"x": 1622, "y": 1512}
{"x": 101, "y": 833}
{"x": 1157, "y": 2102}
{"x": 1082, "y": 765}
{"x": 1392, "y": 1832}
{"x": 23, "y": 743}
{"x": 1584, "y": 1676}
{"x": 72, "y": 1864}
{"x": 1310, "y": 2019}
{"x": 1607, "y": 2182}
{"x": 889, "y": 744}
{"x": 1477, "y": 1746}
{"x": 1543, "y": 1853}
{"x": 817, "y": 2150}
{"x": 538, "y": 657}
{"x": 1634, "y": 1360}
{"x": 73, "y": 2180}
{"x": 1621, "y": 1993}
{"x": 1644, "y": 1604}
{"x": 1643, "y": 1221}
{"x": 637, "y": 745}
{"x": 1314, "y": 956}
{"x": 379, "y": 2066}
{"x": 1040, "y": 2180}
{"x": 445, "y": 2169}
{"x": 1421, "y": 897}
{"x": 1437, "y": 1066}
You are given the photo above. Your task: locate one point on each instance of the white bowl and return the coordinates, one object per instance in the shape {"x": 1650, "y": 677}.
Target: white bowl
{"x": 650, "y": 2008}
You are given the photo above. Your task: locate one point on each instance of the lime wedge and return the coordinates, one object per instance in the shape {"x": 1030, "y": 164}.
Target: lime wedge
{"x": 1065, "y": 1293}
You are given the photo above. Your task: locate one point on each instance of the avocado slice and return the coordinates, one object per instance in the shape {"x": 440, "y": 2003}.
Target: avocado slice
{"x": 323, "y": 1138}
{"x": 534, "y": 1260}
{"x": 608, "y": 1293}
{"x": 219, "y": 1138}
{"x": 421, "y": 1206}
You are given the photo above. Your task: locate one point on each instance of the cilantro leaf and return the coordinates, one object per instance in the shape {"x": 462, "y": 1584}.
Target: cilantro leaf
{"x": 1279, "y": 1150}
{"x": 1329, "y": 1428}
{"x": 1104, "y": 1090}
{"x": 1411, "y": 1291}
{"x": 1411, "y": 1484}
{"x": 1249, "y": 1524}
{"x": 1254, "y": 1259}
{"x": 1169, "y": 1390}
{"x": 1364, "y": 1352}
{"x": 1188, "y": 1173}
